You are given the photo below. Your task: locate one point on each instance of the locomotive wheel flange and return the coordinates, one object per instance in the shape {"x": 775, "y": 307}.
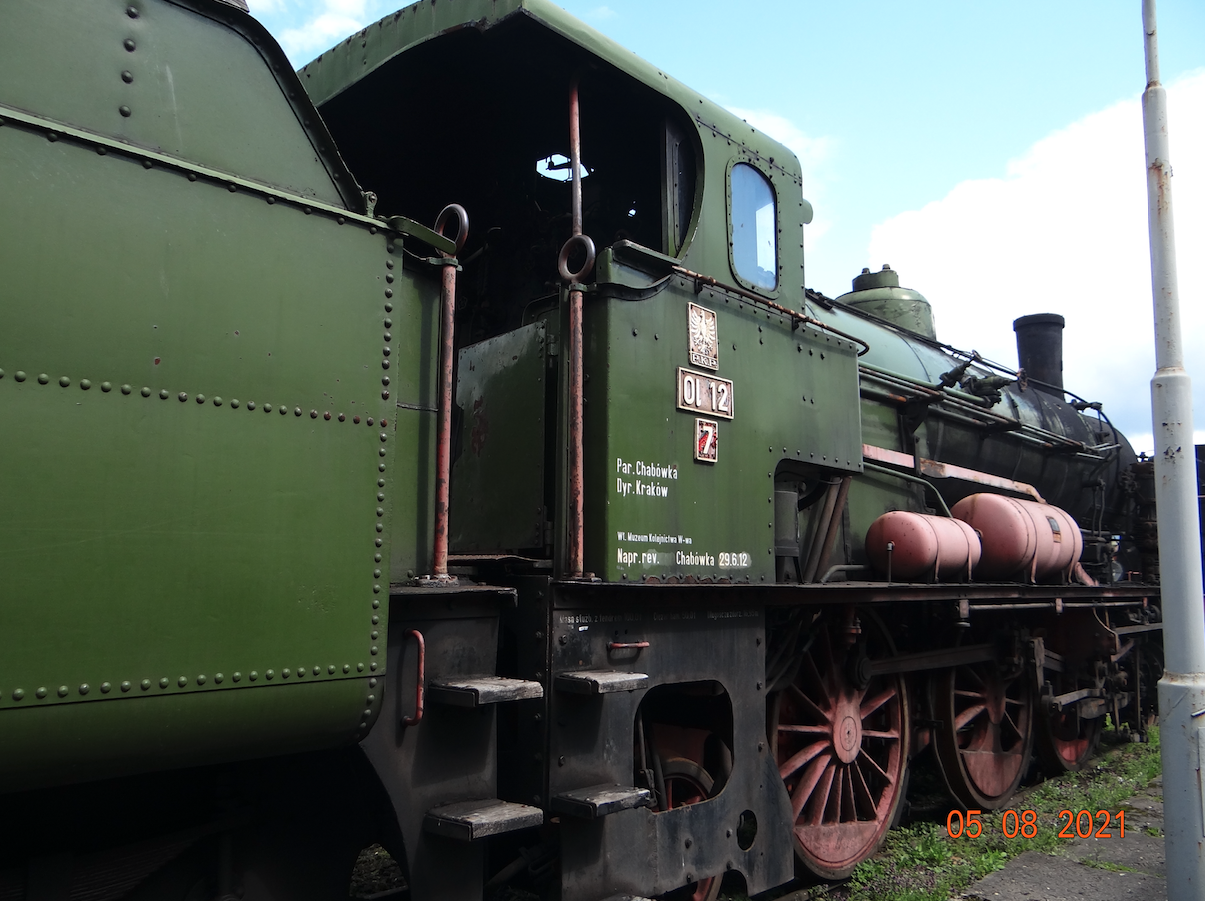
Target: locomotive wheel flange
{"x": 985, "y": 739}
{"x": 841, "y": 748}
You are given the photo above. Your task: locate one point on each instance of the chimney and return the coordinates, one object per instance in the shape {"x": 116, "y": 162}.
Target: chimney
{"x": 1040, "y": 350}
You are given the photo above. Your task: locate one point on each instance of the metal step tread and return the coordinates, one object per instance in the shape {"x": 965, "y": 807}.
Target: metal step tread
{"x": 599, "y": 681}
{"x": 600, "y": 800}
{"x": 471, "y": 820}
{"x": 628, "y": 898}
{"x": 474, "y": 691}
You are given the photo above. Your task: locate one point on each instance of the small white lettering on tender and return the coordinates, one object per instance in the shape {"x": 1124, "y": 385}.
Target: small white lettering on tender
{"x": 686, "y": 558}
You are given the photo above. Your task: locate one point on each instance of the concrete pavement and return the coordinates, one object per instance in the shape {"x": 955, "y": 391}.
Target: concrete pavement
{"x": 1099, "y": 869}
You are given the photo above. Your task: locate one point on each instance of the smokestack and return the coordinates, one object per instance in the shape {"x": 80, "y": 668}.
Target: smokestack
{"x": 1040, "y": 349}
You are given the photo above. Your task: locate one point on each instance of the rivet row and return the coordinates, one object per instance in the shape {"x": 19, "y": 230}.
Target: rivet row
{"x": 374, "y": 632}
{"x": 18, "y": 694}
{"x": 86, "y": 384}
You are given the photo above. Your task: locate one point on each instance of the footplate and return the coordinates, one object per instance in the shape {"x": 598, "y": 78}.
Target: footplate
{"x": 468, "y": 821}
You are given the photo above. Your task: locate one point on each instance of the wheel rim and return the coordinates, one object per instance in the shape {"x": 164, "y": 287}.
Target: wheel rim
{"x": 688, "y": 783}
{"x": 1070, "y": 740}
{"x": 1073, "y": 750}
{"x": 986, "y": 736}
{"x": 841, "y": 750}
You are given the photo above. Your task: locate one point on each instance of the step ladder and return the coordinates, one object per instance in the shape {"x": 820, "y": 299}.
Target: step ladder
{"x": 468, "y": 821}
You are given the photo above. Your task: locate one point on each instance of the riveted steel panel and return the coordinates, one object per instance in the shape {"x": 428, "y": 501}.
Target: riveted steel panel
{"x": 176, "y": 508}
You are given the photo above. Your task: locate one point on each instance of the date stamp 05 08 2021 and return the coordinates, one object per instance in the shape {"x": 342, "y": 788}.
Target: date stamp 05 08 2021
{"x": 1025, "y": 823}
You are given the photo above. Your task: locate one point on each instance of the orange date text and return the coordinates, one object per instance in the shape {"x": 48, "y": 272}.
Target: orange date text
{"x": 1024, "y": 823}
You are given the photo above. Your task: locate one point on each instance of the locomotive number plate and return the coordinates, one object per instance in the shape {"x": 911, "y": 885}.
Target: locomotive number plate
{"x": 702, "y": 393}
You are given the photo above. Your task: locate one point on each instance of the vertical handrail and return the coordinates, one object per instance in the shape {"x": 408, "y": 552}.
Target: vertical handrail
{"x": 420, "y": 690}
{"x": 576, "y": 536}
{"x": 443, "y": 441}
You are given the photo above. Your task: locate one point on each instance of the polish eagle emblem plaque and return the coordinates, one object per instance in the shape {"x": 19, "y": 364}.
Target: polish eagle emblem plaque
{"x": 704, "y": 337}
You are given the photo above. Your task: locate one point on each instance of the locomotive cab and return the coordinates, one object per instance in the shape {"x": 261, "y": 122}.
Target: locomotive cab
{"x": 680, "y": 197}
{"x": 482, "y": 119}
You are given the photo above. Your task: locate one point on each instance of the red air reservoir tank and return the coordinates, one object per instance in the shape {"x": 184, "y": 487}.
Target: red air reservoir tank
{"x": 923, "y": 546}
{"x": 1022, "y": 540}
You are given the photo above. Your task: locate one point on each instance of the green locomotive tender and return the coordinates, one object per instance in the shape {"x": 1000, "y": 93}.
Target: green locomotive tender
{"x": 551, "y": 553}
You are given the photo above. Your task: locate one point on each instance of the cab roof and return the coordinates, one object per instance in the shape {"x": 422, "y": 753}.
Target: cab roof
{"x": 345, "y": 65}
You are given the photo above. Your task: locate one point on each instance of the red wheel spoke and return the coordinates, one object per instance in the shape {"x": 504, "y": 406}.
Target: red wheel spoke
{"x": 797, "y": 693}
{"x": 819, "y": 681}
{"x": 967, "y": 715}
{"x": 970, "y": 671}
{"x": 796, "y": 761}
{"x": 850, "y": 814}
{"x": 821, "y": 795}
{"x": 863, "y": 790}
{"x": 818, "y": 730}
{"x": 869, "y": 707}
{"x": 963, "y": 693}
{"x": 807, "y": 784}
{"x": 835, "y": 799}
{"x": 893, "y": 734}
{"x": 878, "y": 769}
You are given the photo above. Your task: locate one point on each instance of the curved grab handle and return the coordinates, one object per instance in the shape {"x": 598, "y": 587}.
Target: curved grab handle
{"x": 626, "y": 645}
{"x": 562, "y": 262}
{"x": 462, "y": 223}
{"x": 420, "y": 690}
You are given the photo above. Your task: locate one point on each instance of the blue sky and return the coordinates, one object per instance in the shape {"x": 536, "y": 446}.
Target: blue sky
{"x": 991, "y": 152}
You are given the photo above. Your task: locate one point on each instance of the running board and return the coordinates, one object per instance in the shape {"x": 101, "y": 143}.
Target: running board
{"x": 600, "y": 800}
{"x": 478, "y": 691}
{"x": 599, "y": 681}
{"x": 468, "y": 821}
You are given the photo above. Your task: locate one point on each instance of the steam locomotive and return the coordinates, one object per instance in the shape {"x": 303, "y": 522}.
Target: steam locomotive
{"x": 583, "y": 551}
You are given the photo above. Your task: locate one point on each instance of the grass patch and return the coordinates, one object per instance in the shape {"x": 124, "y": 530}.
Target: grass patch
{"x": 922, "y": 863}
{"x": 1108, "y": 865}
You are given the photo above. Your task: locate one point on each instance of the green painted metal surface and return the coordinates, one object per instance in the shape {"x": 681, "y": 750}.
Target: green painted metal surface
{"x": 652, "y": 509}
{"x": 198, "y": 459}
{"x": 56, "y": 744}
{"x": 170, "y": 77}
{"x": 498, "y": 478}
{"x": 880, "y": 294}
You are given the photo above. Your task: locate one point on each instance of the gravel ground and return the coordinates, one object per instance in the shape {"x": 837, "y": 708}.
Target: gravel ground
{"x": 377, "y": 876}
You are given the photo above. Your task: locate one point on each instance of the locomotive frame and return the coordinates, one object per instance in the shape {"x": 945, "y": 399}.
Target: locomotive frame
{"x": 538, "y": 630}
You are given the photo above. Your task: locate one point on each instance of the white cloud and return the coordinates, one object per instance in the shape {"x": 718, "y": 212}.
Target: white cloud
{"x": 317, "y": 35}
{"x": 306, "y": 28}
{"x": 352, "y": 8}
{"x": 1065, "y": 231}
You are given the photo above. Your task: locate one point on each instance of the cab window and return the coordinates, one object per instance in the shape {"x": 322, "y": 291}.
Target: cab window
{"x": 754, "y": 227}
